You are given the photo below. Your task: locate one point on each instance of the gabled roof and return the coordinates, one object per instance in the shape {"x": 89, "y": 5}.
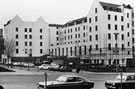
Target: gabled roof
{"x": 109, "y": 4}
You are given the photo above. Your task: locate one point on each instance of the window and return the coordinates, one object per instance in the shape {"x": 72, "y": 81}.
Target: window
{"x": 122, "y": 18}
{"x": 109, "y": 17}
{"x": 122, "y": 27}
{"x": 65, "y": 31}
{"x": 30, "y": 29}
{"x": 90, "y": 29}
{"x": 115, "y": 17}
{"x": 128, "y": 43}
{"x": 127, "y": 15}
{"x": 109, "y": 36}
{"x": 127, "y": 25}
{"x": 70, "y": 30}
{"x": 57, "y": 38}
{"x": 26, "y": 51}
{"x": 109, "y": 26}
{"x": 30, "y": 36}
{"x": 75, "y": 35}
{"x": 16, "y": 29}
{"x": 78, "y": 28}
{"x": 40, "y": 30}
{"x": 95, "y": 10}
{"x": 25, "y": 29}
{"x": 16, "y": 36}
{"x": 96, "y": 37}
{"x": 25, "y": 36}
{"x": 90, "y": 37}
{"x": 89, "y": 20}
{"x": 41, "y": 37}
{"x": 122, "y": 46}
{"x": 41, "y": 51}
{"x": 57, "y": 32}
{"x": 122, "y": 36}
{"x": 17, "y": 43}
{"x": 83, "y": 34}
{"x": 83, "y": 27}
{"x": 96, "y": 28}
{"x": 128, "y": 34}
{"x": 25, "y": 43}
{"x": 90, "y": 49}
{"x": 116, "y": 27}
{"x": 78, "y": 35}
{"x": 96, "y": 46}
{"x": 109, "y": 46}
{"x": 17, "y": 51}
{"x": 30, "y": 43}
{"x": 96, "y": 18}
{"x": 41, "y": 43}
{"x": 75, "y": 29}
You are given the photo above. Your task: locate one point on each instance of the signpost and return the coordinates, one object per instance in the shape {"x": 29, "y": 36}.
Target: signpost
{"x": 45, "y": 76}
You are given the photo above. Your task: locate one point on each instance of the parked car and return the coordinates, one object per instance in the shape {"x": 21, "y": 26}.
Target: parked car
{"x": 28, "y": 64}
{"x": 1, "y": 87}
{"x": 45, "y": 66}
{"x": 54, "y": 67}
{"x": 65, "y": 69}
{"x": 67, "y": 82}
{"x": 126, "y": 81}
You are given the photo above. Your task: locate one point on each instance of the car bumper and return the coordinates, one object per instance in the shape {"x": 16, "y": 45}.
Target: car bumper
{"x": 110, "y": 87}
{"x": 41, "y": 86}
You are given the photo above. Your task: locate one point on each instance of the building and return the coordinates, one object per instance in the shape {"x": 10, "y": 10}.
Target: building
{"x": 104, "y": 36}
{"x": 1, "y": 44}
{"x": 30, "y": 38}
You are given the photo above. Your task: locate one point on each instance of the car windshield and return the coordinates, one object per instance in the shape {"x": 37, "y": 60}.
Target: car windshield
{"x": 123, "y": 77}
{"x": 61, "y": 79}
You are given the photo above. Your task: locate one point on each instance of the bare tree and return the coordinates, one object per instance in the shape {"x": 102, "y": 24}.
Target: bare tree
{"x": 10, "y": 48}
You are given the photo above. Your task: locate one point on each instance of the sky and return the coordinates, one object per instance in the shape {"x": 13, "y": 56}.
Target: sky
{"x": 52, "y": 11}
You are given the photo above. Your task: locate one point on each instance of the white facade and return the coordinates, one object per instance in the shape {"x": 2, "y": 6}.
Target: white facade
{"x": 105, "y": 35}
{"x": 30, "y": 37}
{"x": 95, "y": 35}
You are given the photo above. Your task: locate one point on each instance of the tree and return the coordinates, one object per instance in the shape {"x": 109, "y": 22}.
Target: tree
{"x": 10, "y": 48}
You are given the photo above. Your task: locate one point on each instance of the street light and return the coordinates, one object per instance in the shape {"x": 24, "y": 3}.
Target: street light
{"x": 58, "y": 53}
{"x": 116, "y": 50}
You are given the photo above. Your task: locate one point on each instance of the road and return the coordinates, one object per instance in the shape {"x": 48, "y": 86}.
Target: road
{"x": 30, "y": 81}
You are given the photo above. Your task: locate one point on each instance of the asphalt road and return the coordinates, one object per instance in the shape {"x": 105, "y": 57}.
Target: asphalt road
{"x": 30, "y": 81}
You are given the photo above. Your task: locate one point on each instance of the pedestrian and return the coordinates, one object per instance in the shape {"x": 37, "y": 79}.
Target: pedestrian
{"x": 77, "y": 69}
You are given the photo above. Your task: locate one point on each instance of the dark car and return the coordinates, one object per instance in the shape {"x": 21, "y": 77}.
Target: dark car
{"x": 1, "y": 87}
{"x": 124, "y": 81}
{"x": 65, "y": 69}
{"x": 67, "y": 82}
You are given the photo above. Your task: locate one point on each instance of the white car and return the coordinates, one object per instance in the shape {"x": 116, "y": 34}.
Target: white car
{"x": 28, "y": 64}
{"x": 45, "y": 66}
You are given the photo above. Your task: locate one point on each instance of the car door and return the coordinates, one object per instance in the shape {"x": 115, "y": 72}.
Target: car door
{"x": 74, "y": 83}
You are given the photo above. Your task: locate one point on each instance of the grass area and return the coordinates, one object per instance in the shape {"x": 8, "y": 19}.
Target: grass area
{"x": 5, "y": 70}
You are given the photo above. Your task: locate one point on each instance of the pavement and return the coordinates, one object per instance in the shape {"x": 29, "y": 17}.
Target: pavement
{"x": 25, "y": 71}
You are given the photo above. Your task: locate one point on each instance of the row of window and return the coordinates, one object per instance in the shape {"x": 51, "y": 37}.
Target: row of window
{"x": 116, "y": 17}
{"x": 26, "y": 43}
{"x": 116, "y": 26}
{"x": 26, "y": 51}
{"x": 79, "y": 51}
{"x": 26, "y": 36}
{"x": 27, "y": 29}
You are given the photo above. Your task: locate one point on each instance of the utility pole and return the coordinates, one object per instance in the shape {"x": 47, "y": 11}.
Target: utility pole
{"x": 116, "y": 50}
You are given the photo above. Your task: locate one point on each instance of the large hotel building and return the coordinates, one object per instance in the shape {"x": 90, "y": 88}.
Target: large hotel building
{"x": 104, "y": 36}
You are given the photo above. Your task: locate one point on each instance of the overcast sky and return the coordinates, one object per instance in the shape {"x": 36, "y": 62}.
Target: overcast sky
{"x": 52, "y": 11}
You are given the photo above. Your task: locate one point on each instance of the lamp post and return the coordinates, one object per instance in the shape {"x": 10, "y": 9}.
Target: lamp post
{"x": 58, "y": 53}
{"x": 116, "y": 50}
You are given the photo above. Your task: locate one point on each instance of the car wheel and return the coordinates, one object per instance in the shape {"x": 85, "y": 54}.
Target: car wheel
{"x": 1, "y": 87}
{"x": 119, "y": 88}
